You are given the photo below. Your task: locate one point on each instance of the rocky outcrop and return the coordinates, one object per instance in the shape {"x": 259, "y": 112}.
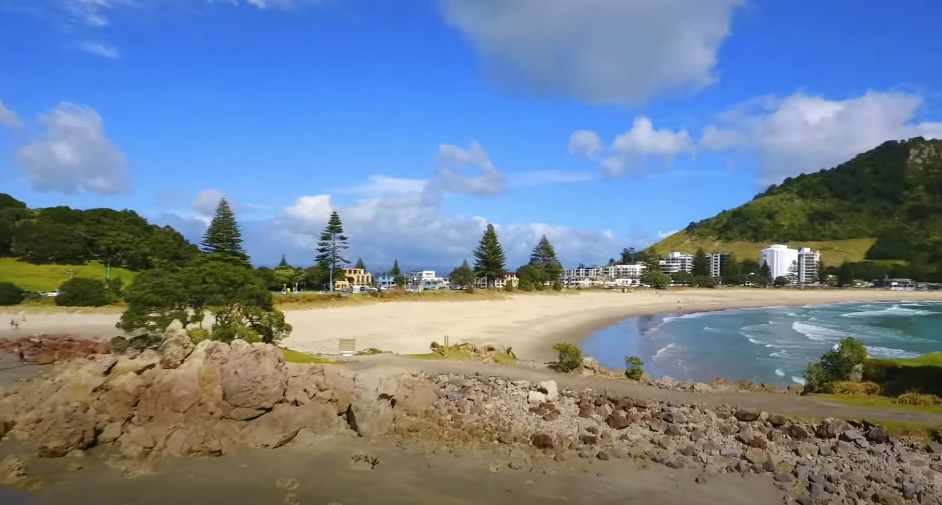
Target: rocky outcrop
{"x": 48, "y": 349}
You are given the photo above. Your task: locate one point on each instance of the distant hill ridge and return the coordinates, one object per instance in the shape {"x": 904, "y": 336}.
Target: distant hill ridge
{"x": 887, "y": 200}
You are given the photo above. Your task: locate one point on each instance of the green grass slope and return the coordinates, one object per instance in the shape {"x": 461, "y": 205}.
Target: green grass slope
{"x": 49, "y": 277}
{"x": 833, "y": 252}
{"x": 885, "y": 204}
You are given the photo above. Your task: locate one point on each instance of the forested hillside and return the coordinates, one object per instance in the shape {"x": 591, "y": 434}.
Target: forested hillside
{"x": 62, "y": 235}
{"x": 892, "y": 193}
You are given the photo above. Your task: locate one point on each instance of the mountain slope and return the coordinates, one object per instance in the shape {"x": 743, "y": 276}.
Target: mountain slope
{"x": 889, "y": 197}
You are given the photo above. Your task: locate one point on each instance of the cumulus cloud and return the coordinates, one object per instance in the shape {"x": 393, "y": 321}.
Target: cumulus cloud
{"x": 801, "y": 134}
{"x": 598, "y": 51}
{"x": 632, "y": 148}
{"x": 585, "y": 143}
{"x": 73, "y": 154}
{"x": 99, "y": 49}
{"x": 459, "y": 170}
{"x": 8, "y": 118}
{"x": 205, "y": 203}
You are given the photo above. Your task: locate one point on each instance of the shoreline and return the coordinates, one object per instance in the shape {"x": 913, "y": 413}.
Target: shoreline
{"x": 527, "y": 323}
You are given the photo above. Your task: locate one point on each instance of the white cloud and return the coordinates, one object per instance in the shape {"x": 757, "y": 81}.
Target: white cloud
{"x": 409, "y": 228}
{"x": 544, "y": 177}
{"x": 205, "y": 203}
{"x": 451, "y": 171}
{"x": 99, "y": 49}
{"x": 585, "y": 143}
{"x": 73, "y": 154}
{"x": 664, "y": 234}
{"x": 801, "y": 134}
{"x": 632, "y": 148}
{"x": 381, "y": 184}
{"x": 8, "y": 118}
{"x": 598, "y": 51}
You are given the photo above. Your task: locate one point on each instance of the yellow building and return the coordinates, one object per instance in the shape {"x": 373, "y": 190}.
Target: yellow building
{"x": 353, "y": 278}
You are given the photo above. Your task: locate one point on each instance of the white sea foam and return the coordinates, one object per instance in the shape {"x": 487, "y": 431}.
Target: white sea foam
{"x": 779, "y": 372}
{"x": 664, "y": 350}
{"x": 893, "y": 311}
{"x": 888, "y": 352}
{"x": 818, "y": 332}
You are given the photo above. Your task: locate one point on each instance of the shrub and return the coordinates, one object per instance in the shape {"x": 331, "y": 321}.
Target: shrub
{"x": 81, "y": 292}
{"x": 525, "y": 284}
{"x": 10, "y": 294}
{"x": 508, "y": 286}
{"x": 634, "y": 368}
{"x": 835, "y": 365}
{"x": 570, "y": 357}
{"x": 855, "y": 388}
{"x": 745, "y": 385}
{"x": 919, "y": 399}
{"x": 557, "y": 286}
{"x": 369, "y": 351}
{"x": 198, "y": 335}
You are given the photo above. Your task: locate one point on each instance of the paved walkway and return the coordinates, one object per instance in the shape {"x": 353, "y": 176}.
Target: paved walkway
{"x": 785, "y": 404}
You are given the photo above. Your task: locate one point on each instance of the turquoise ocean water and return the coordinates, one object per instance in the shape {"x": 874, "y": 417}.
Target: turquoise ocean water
{"x": 767, "y": 345}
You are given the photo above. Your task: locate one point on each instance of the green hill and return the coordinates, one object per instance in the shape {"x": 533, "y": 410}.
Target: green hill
{"x": 885, "y": 204}
{"x": 39, "y": 247}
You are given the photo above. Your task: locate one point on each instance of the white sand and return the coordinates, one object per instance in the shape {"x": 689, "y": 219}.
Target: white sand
{"x": 528, "y": 323}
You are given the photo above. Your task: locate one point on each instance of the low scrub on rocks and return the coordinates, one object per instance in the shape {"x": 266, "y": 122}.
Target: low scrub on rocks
{"x": 855, "y": 388}
{"x": 919, "y": 399}
{"x": 490, "y": 353}
{"x": 570, "y": 357}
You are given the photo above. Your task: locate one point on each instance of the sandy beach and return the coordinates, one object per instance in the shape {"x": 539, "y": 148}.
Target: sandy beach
{"x": 529, "y": 324}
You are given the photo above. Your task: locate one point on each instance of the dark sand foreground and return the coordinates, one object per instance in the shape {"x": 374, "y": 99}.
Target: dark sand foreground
{"x": 326, "y": 475}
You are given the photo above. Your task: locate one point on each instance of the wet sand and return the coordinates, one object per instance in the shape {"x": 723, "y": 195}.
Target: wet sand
{"x": 325, "y": 475}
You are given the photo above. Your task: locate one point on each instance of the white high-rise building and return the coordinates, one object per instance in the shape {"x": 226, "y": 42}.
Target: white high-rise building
{"x": 675, "y": 262}
{"x": 799, "y": 266}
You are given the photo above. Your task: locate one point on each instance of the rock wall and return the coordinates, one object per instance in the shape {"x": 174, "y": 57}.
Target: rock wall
{"x": 205, "y": 400}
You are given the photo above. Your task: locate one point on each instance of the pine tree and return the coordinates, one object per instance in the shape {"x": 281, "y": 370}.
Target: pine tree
{"x": 653, "y": 275}
{"x": 331, "y": 246}
{"x": 283, "y": 263}
{"x": 489, "y": 259}
{"x": 394, "y": 271}
{"x": 223, "y": 236}
{"x": 701, "y": 264}
{"x": 732, "y": 272}
{"x": 765, "y": 273}
{"x": 462, "y": 276}
{"x": 544, "y": 258}
{"x": 359, "y": 264}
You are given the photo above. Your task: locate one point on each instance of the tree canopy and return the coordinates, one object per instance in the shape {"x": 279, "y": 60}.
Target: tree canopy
{"x": 223, "y": 236}
{"x": 331, "y": 247}
{"x": 489, "y": 259}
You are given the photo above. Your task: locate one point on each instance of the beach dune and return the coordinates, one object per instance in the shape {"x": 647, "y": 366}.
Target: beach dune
{"x": 529, "y": 323}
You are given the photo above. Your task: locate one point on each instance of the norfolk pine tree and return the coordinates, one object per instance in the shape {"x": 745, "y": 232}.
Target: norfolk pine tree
{"x": 701, "y": 264}
{"x": 544, "y": 258}
{"x": 489, "y": 259}
{"x": 331, "y": 246}
{"x": 396, "y": 274}
{"x": 223, "y": 236}
{"x": 359, "y": 264}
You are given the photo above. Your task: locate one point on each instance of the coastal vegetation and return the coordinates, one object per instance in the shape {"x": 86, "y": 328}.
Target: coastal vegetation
{"x": 883, "y": 205}
{"x": 634, "y": 368}
{"x": 569, "y": 357}
{"x": 219, "y": 281}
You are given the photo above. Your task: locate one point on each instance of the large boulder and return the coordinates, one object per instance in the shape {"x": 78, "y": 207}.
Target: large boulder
{"x": 254, "y": 376}
{"x": 370, "y": 412}
{"x": 65, "y": 428}
{"x": 195, "y": 388}
{"x": 283, "y": 423}
{"x": 174, "y": 349}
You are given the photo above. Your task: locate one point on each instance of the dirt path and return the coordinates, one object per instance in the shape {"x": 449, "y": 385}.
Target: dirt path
{"x": 789, "y": 405}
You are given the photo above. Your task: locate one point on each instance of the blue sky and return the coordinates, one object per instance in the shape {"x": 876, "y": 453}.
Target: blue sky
{"x": 600, "y": 123}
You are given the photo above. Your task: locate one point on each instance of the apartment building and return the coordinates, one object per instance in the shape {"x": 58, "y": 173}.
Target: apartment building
{"x": 608, "y": 276}
{"x": 676, "y": 262}
{"x": 353, "y": 278}
{"x": 800, "y": 266}
{"x": 499, "y": 283}
{"x": 718, "y": 264}
{"x": 425, "y": 280}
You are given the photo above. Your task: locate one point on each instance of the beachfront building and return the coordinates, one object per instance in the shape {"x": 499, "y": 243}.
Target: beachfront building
{"x": 800, "y": 266}
{"x": 425, "y": 280}
{"x": 385, "y": 281}
{"x": 718, "y": 264}
{"x": 353, "y": 278}
{"x": 500, "y": 283}
{"x": 608, "y": 276}
{"x": 677, "y": 261}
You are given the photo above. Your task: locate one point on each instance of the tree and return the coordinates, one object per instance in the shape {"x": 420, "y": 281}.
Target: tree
{"x": 570, "y": 356}
{"x": 683, "y": 278}
{"x": 544, "y": 259}
{"x": 396, "y": 274}
{"x": 331, "y": 246}
{"x": 82, "y": 292}
{"x": 283, "y": 263}
{"x": 653, "y": 276}
{"x": 629, "y": 256}
{"x": 634, "y": 368}
{"x": 781, "y": 281}
{"x": 732, "y": 274}
{"x": 238, "y": 301}
{"x": 792, "y": 274}
{"x": 462, "y": 276}
{"x": 359, "y": 264}
{"x": 489, "y": 259}
{"x": 835, "y": 365}
{"x": 10, "y": 294}
{"x": 223, "y": 236}
{"x": 765, "y": 273}
{"x": 701, "y": 263}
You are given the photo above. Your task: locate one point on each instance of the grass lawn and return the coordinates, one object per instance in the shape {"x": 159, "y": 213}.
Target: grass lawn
{"x": 457, "y": 353}
{"x": 931, "y": 359}
{"x": 833, "y": 252}
{"x": 302, "y": 358}
{"x": 49, "y": 277}
{"x": 877, "y": 402}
